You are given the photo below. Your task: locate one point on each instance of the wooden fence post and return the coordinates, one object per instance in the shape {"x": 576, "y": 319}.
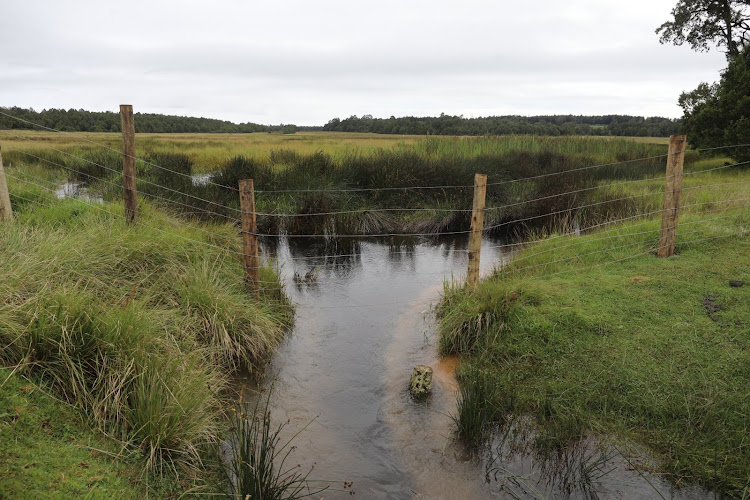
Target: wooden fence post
{"x": 249, "y": 235}
{"x": 6, "y": 210}
{"x": 130, "y": 192}
{"x": 477, "y": 225}
{"x": 672, "y": 189}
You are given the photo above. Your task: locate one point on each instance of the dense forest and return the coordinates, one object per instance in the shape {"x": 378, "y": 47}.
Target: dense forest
{"x": 619, "y": 125}
{"x": 79, "y": 120}
{"x": 73, "y": 120}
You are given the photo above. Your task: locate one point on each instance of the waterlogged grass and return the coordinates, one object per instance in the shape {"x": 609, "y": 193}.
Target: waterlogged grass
{"x": 137, "y": 327}
{"x": 595, "y": 336}
{"x": 371, "y": 163}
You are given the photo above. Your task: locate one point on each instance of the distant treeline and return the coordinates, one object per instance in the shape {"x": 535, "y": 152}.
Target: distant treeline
{"x": 79, "y": 120}
{"x": 617, "y": 125}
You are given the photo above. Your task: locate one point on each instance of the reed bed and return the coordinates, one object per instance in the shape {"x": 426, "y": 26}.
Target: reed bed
{"x": 295, "y": 186}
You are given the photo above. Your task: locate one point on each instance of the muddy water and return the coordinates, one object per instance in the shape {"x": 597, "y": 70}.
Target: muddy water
{"x": 363, "y": 321}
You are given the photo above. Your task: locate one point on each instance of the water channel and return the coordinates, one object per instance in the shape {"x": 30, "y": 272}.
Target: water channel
{"x": 363, "y": 321}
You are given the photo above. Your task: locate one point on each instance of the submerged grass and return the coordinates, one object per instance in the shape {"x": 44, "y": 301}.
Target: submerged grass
{"x": 135, "y": 326}
{"x": 593, "y": 335}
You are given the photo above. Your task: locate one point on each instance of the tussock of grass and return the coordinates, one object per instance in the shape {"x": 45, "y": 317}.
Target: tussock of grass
{"x": 626, "y": 349}
{"x": 136, "y": 326}
{"x": 260, "y": 464}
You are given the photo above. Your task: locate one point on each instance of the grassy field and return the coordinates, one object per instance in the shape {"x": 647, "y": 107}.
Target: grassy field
{"x": 209, "y": 151}
{"x": 135, "y": 329}
{"x": 594, "y": 336}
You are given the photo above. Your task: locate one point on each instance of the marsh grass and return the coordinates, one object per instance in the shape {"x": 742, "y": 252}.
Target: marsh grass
{"x": 429, "y": 162}
{"x": 136, "y": 326}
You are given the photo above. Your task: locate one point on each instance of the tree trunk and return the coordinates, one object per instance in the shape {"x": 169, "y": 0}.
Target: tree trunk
{"x": 731, "y": 45}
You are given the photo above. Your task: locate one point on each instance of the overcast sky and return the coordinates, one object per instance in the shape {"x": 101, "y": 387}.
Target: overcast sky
{"x": 306, "y": 62}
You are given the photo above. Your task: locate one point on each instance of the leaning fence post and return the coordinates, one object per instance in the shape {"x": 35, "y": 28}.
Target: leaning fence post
{"x": 249, "y": 235}
{"x": 130, "y": 192}
{"x": 6, "y": 210}
{"x": 477, "y": 225}
{"x": 673, "y": 187}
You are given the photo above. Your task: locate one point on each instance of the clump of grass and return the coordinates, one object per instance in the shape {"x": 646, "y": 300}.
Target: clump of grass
{"x": 137, "y": 326}
{"x": 46, "y": 451}
{"x": 258, "y": 462}
{"x": 477, "y": 412}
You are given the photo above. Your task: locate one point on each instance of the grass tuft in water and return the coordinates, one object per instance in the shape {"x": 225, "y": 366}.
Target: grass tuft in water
{"x": 259, "y": 465}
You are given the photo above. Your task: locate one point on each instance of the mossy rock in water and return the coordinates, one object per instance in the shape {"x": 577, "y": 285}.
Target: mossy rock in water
{"x": 420, "y": 384}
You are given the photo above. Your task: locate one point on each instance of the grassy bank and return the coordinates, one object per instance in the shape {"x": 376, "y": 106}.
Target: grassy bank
{"x": 136, "y": 327}
{"x": 595, "y": 336}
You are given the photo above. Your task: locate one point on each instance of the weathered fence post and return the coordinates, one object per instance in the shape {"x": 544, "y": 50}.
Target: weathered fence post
{"x": 130, "y": 192}
{"x": 6, "y": 211}
{"x": 477, "y": 225}
{"x": 672, "y": 189}
{"x": 249, "y": 235}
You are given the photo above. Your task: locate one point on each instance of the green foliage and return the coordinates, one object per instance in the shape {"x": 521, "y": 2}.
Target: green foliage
{"x": 615, "y": 125}
{"x": 704, "y": 22}
{"x": 554, "y": 125}
{"x": 719, "y": 115}
{"x": 79, "y": 120}
{"x": 289, "y": 129}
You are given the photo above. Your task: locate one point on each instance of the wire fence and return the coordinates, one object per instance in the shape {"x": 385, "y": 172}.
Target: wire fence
{"x": 540, "y": 247}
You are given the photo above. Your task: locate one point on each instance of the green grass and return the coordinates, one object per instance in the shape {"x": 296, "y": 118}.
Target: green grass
{"x": 47, "y": 451}
{"x": 137, "y": 327}
{"x": 595, "y": 336}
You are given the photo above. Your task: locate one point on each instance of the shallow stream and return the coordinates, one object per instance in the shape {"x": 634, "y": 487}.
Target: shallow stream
{"x": 363, "y": 321}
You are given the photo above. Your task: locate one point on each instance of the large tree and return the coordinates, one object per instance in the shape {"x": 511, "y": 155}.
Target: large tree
{"x": 702, "y": 23}
{"x": 719, "y": 114}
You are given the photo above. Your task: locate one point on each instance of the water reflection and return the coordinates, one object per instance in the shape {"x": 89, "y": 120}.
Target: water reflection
{"x": 77, "y": 190}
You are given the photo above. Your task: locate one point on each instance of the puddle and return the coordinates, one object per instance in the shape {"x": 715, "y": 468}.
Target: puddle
{"x": 201, "y": 179}
{"x": 77, "y": 190}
